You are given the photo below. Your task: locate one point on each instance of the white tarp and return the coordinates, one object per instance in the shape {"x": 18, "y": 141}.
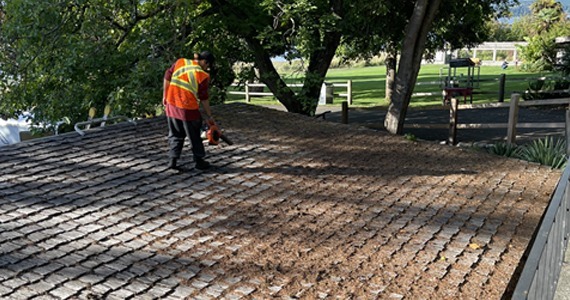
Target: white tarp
{"x": 10, "y": 130}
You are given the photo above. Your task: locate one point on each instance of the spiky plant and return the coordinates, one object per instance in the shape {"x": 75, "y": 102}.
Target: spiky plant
{"x": 547, "y": 151}
{"x": 505, "y": 149}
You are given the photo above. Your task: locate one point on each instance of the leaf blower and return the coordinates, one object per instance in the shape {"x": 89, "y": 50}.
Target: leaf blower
{"x": 214, "y": 134}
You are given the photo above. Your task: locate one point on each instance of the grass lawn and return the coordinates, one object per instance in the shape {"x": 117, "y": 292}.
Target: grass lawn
{"x": 368, "y": 85}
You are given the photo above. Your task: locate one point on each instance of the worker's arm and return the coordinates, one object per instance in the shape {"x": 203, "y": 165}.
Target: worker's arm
{"x": 166, "y": 82}
{"x": 205, "y": 99}
{"x": 165, "y": 86}
{"x": 208, "y": 111}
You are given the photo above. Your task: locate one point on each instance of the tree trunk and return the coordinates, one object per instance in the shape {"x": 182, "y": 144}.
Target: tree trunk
{"x": 271, "y": 78}
{"x": 390, "y": 74}
{"x": 319, "y": 61}
{"x": 410, "y": 63}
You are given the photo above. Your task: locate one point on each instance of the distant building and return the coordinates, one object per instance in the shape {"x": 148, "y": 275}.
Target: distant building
{"x": 563, "y": 46}
{"x": 497, "y": 53}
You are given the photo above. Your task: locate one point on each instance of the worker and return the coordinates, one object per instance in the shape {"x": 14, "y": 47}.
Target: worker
{"x": 185, "y": 88}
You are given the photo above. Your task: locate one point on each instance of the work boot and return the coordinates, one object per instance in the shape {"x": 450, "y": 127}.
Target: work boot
{"x": 172, "y": 164}
{"x": 202, "y": 164}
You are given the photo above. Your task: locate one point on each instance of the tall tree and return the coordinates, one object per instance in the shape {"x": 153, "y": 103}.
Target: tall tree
{"x": 546, "y": 21}
{"x": 413, "y": 48}
{"x": 432, "y": 25}
{"x": 75, "y": 54}
{"x": 67, "y": 56}
{"x": 499, "y": 31}
{"x": 454, "y": 24}
{"x": 547, "y": 13}
{"x": 308, "y": 30}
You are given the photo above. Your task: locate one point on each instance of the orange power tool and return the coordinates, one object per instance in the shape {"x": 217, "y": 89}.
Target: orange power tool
{"x": 214, "y": 134}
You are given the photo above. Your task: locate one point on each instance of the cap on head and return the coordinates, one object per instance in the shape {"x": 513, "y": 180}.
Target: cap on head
{"x": 207, "y": 56}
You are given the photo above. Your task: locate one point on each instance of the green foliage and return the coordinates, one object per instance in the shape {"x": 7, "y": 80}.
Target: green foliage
{"x": 546, "y": 22}
{"x": 77, "y": 55}
{"x": 62, "y": 57}
{"x": 534, "y": 90}
{"x": 547, "y": 88}
{"x": 505, "y": 149}
{"x": 547, "y": 13}
{"x": 536, "y": 85}
{"x": 547, "y": 151}
{"x": 383, "y": 24}
{"x": 73, "y": 55}
{"x": 539, "y": 53}
{"x": 410, "y": 137}
{"x": 470, "y": 18}
{"x": 502, "y": 32}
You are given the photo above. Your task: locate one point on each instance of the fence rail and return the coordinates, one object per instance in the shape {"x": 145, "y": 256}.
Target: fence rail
{"x": 511, "y": 125}
{"x": 249, "y": 93}
{"x": 500, "y": 92}
{"x": 541, "y": 271}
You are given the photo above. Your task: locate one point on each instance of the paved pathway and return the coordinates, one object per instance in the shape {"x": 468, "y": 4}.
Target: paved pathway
{"x": 374, "y": 118}
{"x": 297, "y": 208}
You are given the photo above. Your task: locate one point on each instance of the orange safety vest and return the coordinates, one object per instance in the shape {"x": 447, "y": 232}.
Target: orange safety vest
{"x": 183, "y": 89}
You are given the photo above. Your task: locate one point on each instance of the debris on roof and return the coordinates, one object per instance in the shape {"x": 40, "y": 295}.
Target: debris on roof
{"x": 296, "y": 207}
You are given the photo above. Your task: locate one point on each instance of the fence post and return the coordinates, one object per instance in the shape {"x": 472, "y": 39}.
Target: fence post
{"x": 453, "y": 122}
{"x": 502, "y": 80}
{"x": 349, "y": 91}
{"x": 513, "y": 118}
{"x": 344, "y": 112}
{"x": 247, "y": 97}
{"x": 567, "y": 133}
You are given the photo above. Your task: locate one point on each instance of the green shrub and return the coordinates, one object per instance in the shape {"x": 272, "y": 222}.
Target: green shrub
{"x": 547, "y": 151}
{"x": 341, "y": 62}
{"x": 536, "y": 85}
{"x": 561, "y": 84}
{"x": 410, "y": 137}
{"x": 505, "y": 149}
{"x": 552, "y": 88}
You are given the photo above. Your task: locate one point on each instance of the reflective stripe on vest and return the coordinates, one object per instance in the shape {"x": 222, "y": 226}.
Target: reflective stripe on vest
{"x": 184, "y": 88}
{"x": 190, "y": 85}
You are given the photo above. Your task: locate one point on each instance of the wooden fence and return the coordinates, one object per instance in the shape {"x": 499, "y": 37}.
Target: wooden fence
{"x": 541, "y": 270}
{"x": 500, "y": 92}
{"x": 252, "y": 89}
{"x": 330, "y": 86}
{"x": 512, "y": 124}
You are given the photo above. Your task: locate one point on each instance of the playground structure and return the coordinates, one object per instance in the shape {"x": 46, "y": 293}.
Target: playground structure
{"x": 454, "y": 84}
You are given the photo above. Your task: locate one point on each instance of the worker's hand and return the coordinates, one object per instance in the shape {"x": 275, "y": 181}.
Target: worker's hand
{"x": 164, "y": 101}
{"x": 211, "y": 122}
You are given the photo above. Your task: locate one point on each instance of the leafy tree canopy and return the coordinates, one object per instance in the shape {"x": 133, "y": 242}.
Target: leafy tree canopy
{"x": 541, "y": 27}
{"x": 62, "y": 57}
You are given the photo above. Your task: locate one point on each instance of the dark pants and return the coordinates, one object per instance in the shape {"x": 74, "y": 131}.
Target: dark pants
{"x": 178, "y": 130}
